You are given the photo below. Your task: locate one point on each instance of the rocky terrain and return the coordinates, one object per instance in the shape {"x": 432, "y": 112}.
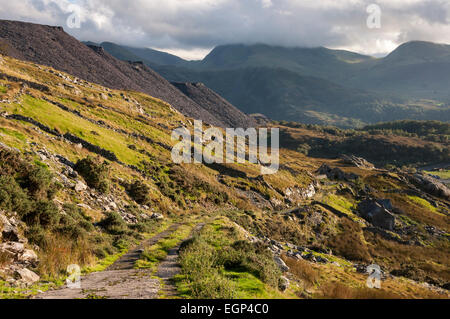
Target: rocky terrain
{"x": 53, "y": 47}
{"x": 87, "y": 178}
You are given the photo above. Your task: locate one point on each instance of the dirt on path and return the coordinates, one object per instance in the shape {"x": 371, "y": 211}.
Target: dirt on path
{"x": 121, "y": 280}
{"x": 169, "y": 267}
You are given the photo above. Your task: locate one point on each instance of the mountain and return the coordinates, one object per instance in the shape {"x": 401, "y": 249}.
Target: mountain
{"x": 146, "y": 55}
{"x": 87, "y": 178}
{"x": 215, "y": 104}
{"x": 52, "y": 46}
{"x": 415, "y": 69}
{"x": 319, "y": 85}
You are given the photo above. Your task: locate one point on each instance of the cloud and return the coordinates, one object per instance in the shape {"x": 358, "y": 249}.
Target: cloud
{"x": 198, "y": 25}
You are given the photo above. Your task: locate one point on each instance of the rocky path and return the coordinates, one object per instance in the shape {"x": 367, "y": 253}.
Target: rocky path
{"x": 169, "y": 267}
{"x": 122, "y": 281}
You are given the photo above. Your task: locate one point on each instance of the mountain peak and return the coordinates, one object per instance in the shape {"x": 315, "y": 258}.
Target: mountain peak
{"x": 416, "y": 51}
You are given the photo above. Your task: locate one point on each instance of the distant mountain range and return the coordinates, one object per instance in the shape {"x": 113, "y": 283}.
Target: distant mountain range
{"x": 316, "y": 85}
{"x": 52, "y": 46}
{"x": 308, "y": 85}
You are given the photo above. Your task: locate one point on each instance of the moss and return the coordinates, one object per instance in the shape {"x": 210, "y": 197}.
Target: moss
{"x": 424, "y": 203}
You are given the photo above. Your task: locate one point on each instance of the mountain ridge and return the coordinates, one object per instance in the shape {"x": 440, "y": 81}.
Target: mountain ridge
{"x": 52, "y": 46}
{"x": 385, "y": 88}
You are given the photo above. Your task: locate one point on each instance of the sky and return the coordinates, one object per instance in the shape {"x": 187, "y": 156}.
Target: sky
{"x": 191, "y": 28}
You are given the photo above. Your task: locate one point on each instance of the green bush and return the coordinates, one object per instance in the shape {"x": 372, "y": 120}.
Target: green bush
{"x": 13, "y": 197}
{"x": 253, "y": 258}
{"x": 113, "y": 224}
{"x": 94, "y": 172}
{"x": 39, "y": 182}
{"x": 139, "y": 192}
{"x": 44, "y": 213}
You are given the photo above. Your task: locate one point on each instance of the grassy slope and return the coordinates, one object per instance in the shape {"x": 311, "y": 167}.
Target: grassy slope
{"x": 180, "y": 190}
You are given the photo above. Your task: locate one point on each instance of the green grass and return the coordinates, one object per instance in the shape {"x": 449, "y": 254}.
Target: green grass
{"x": 54, "y": 117}
{"x": 424, "y": 203}
{"x": 340, "y": 203}
{"x": 158, "y": 252}
{"x": 11, "y": 292}
{"x": 218, "y": 264}
{"x": 248, "y": 286}
{"x": 441, "y": 174}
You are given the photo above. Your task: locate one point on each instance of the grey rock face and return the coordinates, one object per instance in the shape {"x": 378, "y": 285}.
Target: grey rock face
{"x": 374, "y": 212}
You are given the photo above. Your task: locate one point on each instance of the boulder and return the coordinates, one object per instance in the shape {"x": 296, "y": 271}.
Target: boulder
{"x": 157, "y": 216}
{"x": 28, "y": 257}
{"x": 336, "y": 173}
{"x": 431, "y": 185}
{"x": 112, "y": 206}
{"x": 281, "y": 264}
{"x": 80, "y": 186}
{"x": 13, "y": 247}
{"x": 377, "y": 214}
{"x": 26, "y": 276}
{"x": 284, "y": 283}
{"x": 8, "y": 229}
{"x": 356, "y": 161}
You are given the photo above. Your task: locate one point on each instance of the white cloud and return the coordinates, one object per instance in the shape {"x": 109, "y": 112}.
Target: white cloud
{"x": 193, "y": 26}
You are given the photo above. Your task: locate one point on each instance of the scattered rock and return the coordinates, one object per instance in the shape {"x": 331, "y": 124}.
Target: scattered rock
{"x": 157, "y": 216}
{"x": 284, "y": 283}
{"x": 26, "y": 276}
{"x": 80, "y": 186}
{"x": 374, "y": 212}
{"x": 336, "y": 173}
{"x": 356, "y": 161}
{"x": 281, "y": 264}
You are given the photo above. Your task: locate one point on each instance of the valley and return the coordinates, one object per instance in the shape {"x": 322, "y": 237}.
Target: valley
{"x": 87, "y": 176}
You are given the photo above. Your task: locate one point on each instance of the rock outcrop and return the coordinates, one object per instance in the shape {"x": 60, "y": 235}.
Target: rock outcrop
{"x": 376, "y": 212}
{"x": 431, "y": 185}
{"x": 336, "y": 173}
{"x": 356, "y": 161}
{"x": 15, "y": 257}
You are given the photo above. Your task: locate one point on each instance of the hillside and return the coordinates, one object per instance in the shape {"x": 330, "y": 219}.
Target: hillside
{"x": 215, "y": 104}
{"x": 53, "y": 47}
{"x": 87, "y": 178}
{"x": 323, "y": 86}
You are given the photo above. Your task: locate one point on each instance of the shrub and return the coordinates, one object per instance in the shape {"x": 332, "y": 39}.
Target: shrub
{"x": 39, "y": 183}
{"x": 13, "y": 197}
{"x": 94, "y": 172}
{"x": 139, "y": 192}
{"x": 113, "y": 224}
{"x": 254, "y": 258}
{"x": 45, "y": 214}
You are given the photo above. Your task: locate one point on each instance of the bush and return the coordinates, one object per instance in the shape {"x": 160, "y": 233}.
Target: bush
{"x": 139, "y": 192}
{"x": 254, "y": 258}
{"x": 39, "y": 183}
{"x": 45, "y": 214}
{"x": 113, "y": 224}
{"x": 94, "y": 172}
{"x": 13, "y": 197}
